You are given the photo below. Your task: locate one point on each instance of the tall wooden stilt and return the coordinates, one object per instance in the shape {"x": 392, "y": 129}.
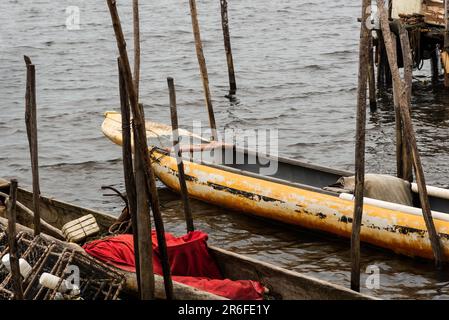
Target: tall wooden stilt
{"x": 407, "y": 166}
{"x": 371, "y": 76}
{"x": 360, "y": 148}
{"x": 31, "y": 125}
{"x": 409, "y": 132}
{"x": 227, "y": 45}
{"x": 203, "y": 68}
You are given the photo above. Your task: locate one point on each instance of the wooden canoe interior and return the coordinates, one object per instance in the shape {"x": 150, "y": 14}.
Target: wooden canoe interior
{"x": 283, "y": 284}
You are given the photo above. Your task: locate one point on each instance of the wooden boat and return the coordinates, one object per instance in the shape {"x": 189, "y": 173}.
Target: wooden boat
{"x": 293, "y": 194}
{"x": 282, "y": 283}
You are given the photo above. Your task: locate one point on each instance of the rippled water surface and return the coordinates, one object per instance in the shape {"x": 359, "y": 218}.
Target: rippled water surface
{"x": 296, "y": 65}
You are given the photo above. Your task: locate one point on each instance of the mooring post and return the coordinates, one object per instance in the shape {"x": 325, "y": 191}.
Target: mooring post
{"x": 227, "y": 45}
{"x": 203, "y": 68}
{"x": 141, "y": 144}
{"x": 31, "y": 126}
{"x": 360, "y": 148}
{"x": 12, "y": 242}
{"x": 178, "y": 155}
{"x": 407, "y": 165}
{"x": 136, "y": 31}
{"x": 371, "y": 75}
{"x": 128, "y": 172}
{"x": 409, "y": 132}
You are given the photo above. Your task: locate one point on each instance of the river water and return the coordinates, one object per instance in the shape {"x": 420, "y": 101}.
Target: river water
{"x": 296, "y": 67}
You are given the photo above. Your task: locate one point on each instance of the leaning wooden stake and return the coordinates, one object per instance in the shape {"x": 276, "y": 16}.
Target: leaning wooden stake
{"x": 136, "y": 31}
{"x": 177, "y": 150}
{"x": 203, "y": 68}
{"x": 360, "y": 148}
{"x": 31, "y": 125}
{"x": 139, "y": 124}
{"x": 227, "y": 45}
{"x": 409, "y": 132}
{"x": 128, "y": 172}
{"x": 13, "y": 253}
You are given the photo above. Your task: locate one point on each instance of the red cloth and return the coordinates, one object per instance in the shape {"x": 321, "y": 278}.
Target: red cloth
{"x": 190, "y": 263}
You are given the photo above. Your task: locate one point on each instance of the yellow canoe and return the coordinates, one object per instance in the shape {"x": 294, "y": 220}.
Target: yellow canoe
{"x": 292, "y": 195}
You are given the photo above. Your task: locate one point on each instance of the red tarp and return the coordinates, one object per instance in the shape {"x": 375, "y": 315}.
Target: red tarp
{"x": 190, "y": 263}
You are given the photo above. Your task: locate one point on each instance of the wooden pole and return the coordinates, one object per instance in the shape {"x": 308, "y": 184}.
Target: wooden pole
{"x": 128, "y": 172}
{"x": 13, "y": 253}
{"x": 408, "y": 127}
{"x": 141, "y": 145}
{"x": 407, "y": 165}
{"x": 360, "y": 148}
{"x": 434, "y": 64}
{"x": 136, "y": 31}
{"x": 203, "y": 68}
{"x": 227, "y": 45}
{"x": 31, "y": 125}
{"x": 371, "y": 76}
{"x": 182, "y": 179}
{"x": 145, "y": 246}
{"x": 398, "y": 121}
{"x": 446, "y": 38}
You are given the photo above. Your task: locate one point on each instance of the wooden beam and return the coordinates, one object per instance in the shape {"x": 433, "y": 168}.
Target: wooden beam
{"x": 178, "y": 155}
{"x": 203, "y": 68}
{"x": 409, "y": 132}
{"x": 31, "y": 125}
{"x": 360, "y": 148}
{"x": 371, "y": 76}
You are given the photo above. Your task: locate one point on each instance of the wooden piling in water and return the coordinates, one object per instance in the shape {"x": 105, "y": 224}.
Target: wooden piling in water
{"x": 227, "y": 45}
{"x": 177, "y": 150}
{"x": 203, "y": 68}
{"x": 446, "y": 42}
{"x": 408, "y": 127}
{"x": 128, "y": 172}
{"x": 434, "y": 65}
{"x": 12, "y": 242}
{"x": 360, "y": 148}
{"x": 407, "y": 165}
{"x": 31, "y": 126}
{"x": 371, "y": 76}
{"x": 141, "y": 144}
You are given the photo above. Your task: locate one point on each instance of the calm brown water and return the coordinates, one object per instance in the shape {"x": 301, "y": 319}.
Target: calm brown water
{"x": 296, "y": 64}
